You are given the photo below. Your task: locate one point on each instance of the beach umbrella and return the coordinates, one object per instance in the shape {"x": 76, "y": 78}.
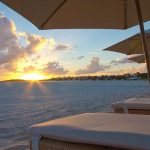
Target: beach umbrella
{"x": 138, "y": 59}
{"x": 70, "y": 14}
{"x": 131, "y": 45}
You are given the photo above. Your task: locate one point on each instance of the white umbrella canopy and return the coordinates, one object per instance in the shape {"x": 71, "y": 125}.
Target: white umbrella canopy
{"x": 71, "y": 14}
{"x": 132, "y": 45}
{"x": 138, "y": 59}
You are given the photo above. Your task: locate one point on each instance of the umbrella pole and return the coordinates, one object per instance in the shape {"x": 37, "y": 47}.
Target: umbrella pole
{"x": 143, "y": 37}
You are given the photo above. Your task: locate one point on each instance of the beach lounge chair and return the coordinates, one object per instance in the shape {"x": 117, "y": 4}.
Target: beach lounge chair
{"x": 93, "y": 131}
{"x": 133, "y": 106}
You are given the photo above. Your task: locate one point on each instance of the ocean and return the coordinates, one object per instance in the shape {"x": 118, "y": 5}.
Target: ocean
{"x": 26, "y": 103}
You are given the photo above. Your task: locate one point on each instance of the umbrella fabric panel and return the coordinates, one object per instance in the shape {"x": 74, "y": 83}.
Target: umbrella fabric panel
{"x": 62, "y": 14}
{"x": 132, "y": 18}
{"x": 132, "y": 45}
{"x": 36, "y": 11}
{"x": 88, "y": 14}
{"x": 138, "y": 59}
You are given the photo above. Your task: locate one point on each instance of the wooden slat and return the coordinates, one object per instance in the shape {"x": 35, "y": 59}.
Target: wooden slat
{"x": 51, "y": 144}
{"x": 133, "y": 111}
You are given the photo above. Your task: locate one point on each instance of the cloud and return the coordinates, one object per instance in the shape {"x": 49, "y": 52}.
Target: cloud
{"x": 30, "y": 69}
{"x": 80, "y": 57}
{"x": 55, "y": 68}
{"x": 52, "y": 68}
{"x": 7, "y": 67}
{"x": 9, "y": 45}
{"x": 63, "y": 47}
{"x": 18, "y": 50}
{"x": 123, "y": 60}
{"x": 93, "y": 67}
{"x": 35, "y": 43}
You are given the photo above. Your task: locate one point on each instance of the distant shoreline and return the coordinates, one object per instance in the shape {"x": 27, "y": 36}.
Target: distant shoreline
{"x": 135, "y": 76}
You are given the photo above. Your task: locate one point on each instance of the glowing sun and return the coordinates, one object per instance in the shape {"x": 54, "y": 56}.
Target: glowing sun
{"x": 33, "y": 77}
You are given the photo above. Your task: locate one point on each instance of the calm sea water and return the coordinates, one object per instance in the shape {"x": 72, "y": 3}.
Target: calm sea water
{"x": 24, "y": 104}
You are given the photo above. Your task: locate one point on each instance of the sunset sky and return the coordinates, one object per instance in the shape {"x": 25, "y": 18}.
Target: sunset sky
{"x": 25, "y": 50}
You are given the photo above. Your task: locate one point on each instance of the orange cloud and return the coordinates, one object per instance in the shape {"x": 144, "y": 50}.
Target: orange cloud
{"x": 15, "y": 57}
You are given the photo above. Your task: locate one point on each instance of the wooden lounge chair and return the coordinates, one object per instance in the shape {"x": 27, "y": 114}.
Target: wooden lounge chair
{"x": 133, "y": 106}
{"x": 93, "y": 131}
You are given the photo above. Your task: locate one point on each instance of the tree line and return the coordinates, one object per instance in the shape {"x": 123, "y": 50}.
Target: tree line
{"x": 134, "y": 76}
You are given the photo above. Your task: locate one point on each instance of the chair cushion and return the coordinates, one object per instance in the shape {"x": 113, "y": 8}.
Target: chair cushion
{"x": 133, "y": 103}
{"x": 121, "y": 130}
